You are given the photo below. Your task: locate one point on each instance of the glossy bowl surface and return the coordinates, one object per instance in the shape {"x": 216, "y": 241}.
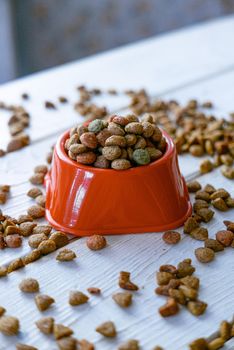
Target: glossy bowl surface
{"x": 84, "y": 200}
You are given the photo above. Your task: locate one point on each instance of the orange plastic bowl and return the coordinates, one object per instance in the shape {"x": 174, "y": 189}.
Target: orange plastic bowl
{"x": 84, "y": 200}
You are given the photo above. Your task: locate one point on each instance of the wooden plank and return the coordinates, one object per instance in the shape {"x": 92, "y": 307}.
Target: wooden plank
{"x": 149, "y": 64}
{"x": 141, "y": 255}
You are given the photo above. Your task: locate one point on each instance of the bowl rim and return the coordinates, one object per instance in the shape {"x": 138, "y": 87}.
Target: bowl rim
{"x": 63, "y": 155}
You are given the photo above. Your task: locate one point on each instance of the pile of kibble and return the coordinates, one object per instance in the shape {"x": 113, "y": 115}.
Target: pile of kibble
{"x": 119, "y": 143}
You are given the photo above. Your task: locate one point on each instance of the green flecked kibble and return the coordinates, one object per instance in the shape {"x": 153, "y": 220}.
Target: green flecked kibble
{"x": 141, "y": 156}
{"x": 96, "y": 125}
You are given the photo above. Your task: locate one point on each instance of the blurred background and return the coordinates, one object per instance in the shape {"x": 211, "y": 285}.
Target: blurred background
{"x": 38, "y": 34}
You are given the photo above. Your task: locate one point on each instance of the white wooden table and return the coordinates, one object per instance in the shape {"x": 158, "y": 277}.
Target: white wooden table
{"x": 193, "y": 63}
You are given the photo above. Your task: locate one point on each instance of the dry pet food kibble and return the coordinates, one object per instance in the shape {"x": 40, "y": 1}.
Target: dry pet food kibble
{"x": 9, "y": 325}
{"x": 29, "y": 285}
{"x": 77, "y": 298}
{"x": 21, "y": 346}
{"x": 67, "y": 343}
{"x": 66, "y": 255}
{"x": 125, "y": 282}
{"x": 96, "y": 242}
{"x": 107, "y": 329}
{"x": 171, "y": 237}
{"x": 61, "y": 331}
{"x": 120, "y": 143}
{"x": 204, "y": 255}
{"x": 45, "y": 325}
{"x": 131, "y": 344}
{"x": 123, "y": 299}
{"x": 43, "y": 302}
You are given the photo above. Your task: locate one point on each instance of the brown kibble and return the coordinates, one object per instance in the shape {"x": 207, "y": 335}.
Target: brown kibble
{"x": 102, "y": 163}
{"x": 36, "y": 212}
{"x": 115, "y": 129}
{"x": 5, "y": 188}
{"x": 111, "y": 152}
{"x": 171, "y": 308}
{"x": 200, "y": 233}
{"x": 229, "y": 225}
{"x": 120, "y": 164}
{"x": 199, "y": 204}
{"x": 49, "y": 157}
{"x": 96, "y": 242}
{"x": 116, "y": 140}
{"x": 12, "y": 230}
{"x": 131, "y": 344}
{"x": 199, "y": 344}
{"x": 15, "y": 265}
{"x": 41, "y": 200}
{"x": 190, "y": 281}
{"x": 196, "y": 150}
{"x": 66, "y": 255}
{"x": 214, "y": 245}
{"x": 24, "y": 218}
{"x": 190, "y": 224}
{"x": 46, "y": 247}
{"x": 193, "y": 186}
{"x": 163, "y": 278}
{"x": 3, "y": 197}
{"x": 107, "y": 329}
{"x": 230, "y": 202}
{"x": 225, "y": 237}
{"x": 2, "y": 311}
{"x": 197, "y": 307}
{"x": 188, "y": 292}
{"x": 49, "y": 105}
{"x": 37, "y": 179}
{"x": 228, "y": 172}
{"x": 26, "y": 228}
{"x": 102, "y": 136}
{"x": 204, "y": 255}
{"x": 206, "y": 214}
{"x": 68, "y": 343}
{"x": 32, "y": 256}
{"x": 185, "y": 268}
{"x": 125, "y": 282}
{"x": 35, "y": 240}
{"x": 123, "y": 299}
{"x": 206, "y": 166}
{"x": 171, "y": 237}
{"x": 3, "y": 271}
{"x": 41, "y": 169}
{"x": 225, "y": 330}
{"x": 220, "y": 193}
{"x": 2, "y": 243}
{"x": 45, "y": 325}
{"x": 209, "y": 189}
{"x": 178, "y": 295}
{"x": 202, "y": 195}
{"x": 94, "y": 290}
{"x": 59, "y": 238}
{"x": 77, "y": 298}
{"x": 20, "y": 346}
{"x": 9, "y": 325}
{"x": 168, "y": 268}
{"x": 13, "y": 241}
{"x": 86, "y": 158}
{"x": 89, "y": 140}
{"x": 85, "y": 345}
{"x": 42, "y": 229}
{"x": 34, "y": 192}
{"x": 61, "y": 331}
{"x": 43, "y": 301}
{"x": 216, "y": 344}
{"x": 219, "y": 204}
{"x": 29, "y": 285}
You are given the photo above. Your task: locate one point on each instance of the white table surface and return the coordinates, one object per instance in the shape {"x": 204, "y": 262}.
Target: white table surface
{"x": 191, "y": 63}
